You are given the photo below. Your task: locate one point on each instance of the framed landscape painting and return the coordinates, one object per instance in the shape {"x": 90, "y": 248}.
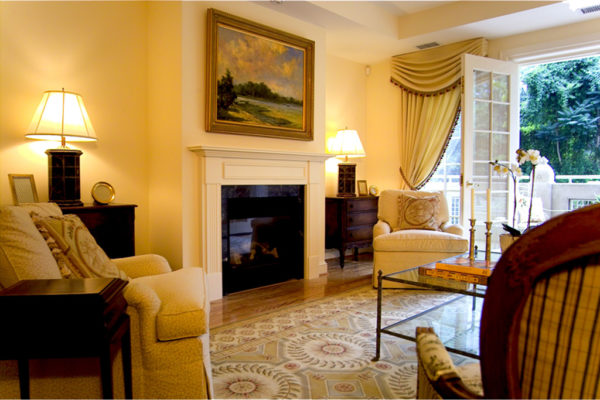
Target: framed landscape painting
{"x": 259, "y": 80}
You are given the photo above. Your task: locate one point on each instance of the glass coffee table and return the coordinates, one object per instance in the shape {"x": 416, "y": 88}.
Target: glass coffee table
{"x": 455, "y": 320}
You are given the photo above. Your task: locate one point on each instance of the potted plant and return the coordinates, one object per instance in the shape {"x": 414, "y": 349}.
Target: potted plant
{"x": 514, "y": 170}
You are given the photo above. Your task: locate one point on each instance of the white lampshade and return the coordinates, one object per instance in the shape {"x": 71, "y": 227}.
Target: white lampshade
{"x": 61, "y": 116}
{"x": 346, "y": 144}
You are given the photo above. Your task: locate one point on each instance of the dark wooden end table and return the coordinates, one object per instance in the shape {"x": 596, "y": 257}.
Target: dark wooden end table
{"x": 66, "y": 318}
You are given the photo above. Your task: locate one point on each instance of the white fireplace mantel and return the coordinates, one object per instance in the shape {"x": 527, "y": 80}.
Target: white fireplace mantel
{"x": 237, "y": 166}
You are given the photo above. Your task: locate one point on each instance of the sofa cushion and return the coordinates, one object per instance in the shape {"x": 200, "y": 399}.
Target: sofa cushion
{"x": 183, "y": 312}
{"x": 23, "y": 251}
{"x": 388, "y": 205}
{"x": 418, "y": 240}
{"x": 418, "y": 212}
{"x": 86, "y": 258}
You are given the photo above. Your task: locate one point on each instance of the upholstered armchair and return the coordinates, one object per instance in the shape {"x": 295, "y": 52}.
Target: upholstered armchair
{"x": 413, "y": 229}
{"x": 540, "y": 320}
{"x": 168, "y": 312}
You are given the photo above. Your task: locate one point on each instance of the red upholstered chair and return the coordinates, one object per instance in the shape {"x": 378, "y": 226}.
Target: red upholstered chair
{"x": 540, "y": 324}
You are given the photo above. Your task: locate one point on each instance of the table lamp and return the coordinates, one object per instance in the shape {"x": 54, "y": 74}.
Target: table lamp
{"x": 346, "y": 145}
{"x": 62, "y": 116}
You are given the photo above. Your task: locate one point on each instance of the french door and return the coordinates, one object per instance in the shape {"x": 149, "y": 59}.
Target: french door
{"x": 490, "y": 131}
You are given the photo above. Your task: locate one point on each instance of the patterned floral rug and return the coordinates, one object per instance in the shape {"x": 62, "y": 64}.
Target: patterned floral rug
{"x": 321, "y": 349}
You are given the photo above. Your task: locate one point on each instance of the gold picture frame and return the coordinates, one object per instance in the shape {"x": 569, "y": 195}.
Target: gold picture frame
{"x": 362, "y": 188}
{"x": 264, "y": 87}
{"x": 23, "y": 188}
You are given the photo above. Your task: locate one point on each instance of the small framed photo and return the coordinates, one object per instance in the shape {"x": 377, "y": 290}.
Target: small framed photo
{"x": 23, "y": 188}
{"x": 362, "y": 188}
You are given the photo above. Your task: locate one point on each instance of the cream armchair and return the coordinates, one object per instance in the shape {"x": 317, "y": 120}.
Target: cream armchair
{"x": 169, "y": 321}
{"x": 396, "y": 249}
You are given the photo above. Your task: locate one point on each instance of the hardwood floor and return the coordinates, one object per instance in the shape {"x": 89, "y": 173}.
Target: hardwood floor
{"x": 249, "y": 303}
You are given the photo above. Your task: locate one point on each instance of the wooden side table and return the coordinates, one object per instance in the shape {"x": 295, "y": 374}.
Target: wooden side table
{"x": 66, "y": 318}
{"x": 349, "y": 223}
{"x": 112, "y": 225}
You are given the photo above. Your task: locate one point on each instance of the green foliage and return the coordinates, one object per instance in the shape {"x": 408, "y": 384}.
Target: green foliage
{"x": 560, "y": 114}
{"x": 225, "y": 94}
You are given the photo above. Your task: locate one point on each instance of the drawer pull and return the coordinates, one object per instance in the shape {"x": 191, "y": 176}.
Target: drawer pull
{"x": 351, "y": 219}
{"x": 351, "y": 205}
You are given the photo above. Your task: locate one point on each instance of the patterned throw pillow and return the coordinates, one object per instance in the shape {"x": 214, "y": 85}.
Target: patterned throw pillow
{"x": 418, "y": 212}
{"x": 67, "y": 269}
{"x": 75, "y": 249}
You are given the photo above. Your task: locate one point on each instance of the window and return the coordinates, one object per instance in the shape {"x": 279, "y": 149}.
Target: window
{"x": 447, "y": 176}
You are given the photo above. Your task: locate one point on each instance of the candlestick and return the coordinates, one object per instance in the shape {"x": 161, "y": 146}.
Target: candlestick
{"x": 472, "y": 240}
{"x": 473, "y": 202}
{"x": 488, "y": 205}
{"x": 488, "y": 241}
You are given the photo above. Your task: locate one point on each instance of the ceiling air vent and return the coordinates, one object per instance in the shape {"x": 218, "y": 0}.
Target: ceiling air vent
{"x": 584, "y": 6}
{"x": 427, "y": 45}
{"x": 591, "y": 9}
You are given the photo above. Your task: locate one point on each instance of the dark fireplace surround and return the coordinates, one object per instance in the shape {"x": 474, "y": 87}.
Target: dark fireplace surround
{"x": 262, "y": 235}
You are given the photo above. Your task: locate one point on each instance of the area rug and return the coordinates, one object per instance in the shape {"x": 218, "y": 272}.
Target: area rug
{"x": 322, "y": 349}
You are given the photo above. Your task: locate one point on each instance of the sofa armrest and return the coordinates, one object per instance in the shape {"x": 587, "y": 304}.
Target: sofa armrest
{"x": 381, "y": 228}
{"x": 143, "y": 265}
{"x": 453, "y": 228}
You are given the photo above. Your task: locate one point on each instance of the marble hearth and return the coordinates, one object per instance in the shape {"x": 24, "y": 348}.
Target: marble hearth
{"x": 233, "y": 166}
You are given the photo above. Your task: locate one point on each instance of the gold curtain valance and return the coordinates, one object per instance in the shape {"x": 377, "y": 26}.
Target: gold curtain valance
{"x": 434, "y": 70}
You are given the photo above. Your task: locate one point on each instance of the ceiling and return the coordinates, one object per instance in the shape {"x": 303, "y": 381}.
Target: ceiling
{"x": 371, "y": 31}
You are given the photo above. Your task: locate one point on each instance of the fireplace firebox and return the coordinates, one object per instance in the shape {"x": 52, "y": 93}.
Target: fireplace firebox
{"x": 262, "y": 235}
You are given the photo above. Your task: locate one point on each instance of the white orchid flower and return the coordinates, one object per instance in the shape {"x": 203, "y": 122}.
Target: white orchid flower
{"x": 534, "y": 156}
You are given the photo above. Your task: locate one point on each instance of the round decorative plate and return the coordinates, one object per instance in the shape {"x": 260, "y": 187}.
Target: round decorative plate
{"x": 373, "y": 190}
{"x": 103, "y": 192}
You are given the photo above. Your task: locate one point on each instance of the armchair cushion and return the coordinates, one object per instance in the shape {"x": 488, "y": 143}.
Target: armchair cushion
{"x": 183, "y": 312}
{"x": 23, "y": 252}
{"x": 415, "y": 240}
{"x": 86, "y": 258}
{"x": 418, "y": 212}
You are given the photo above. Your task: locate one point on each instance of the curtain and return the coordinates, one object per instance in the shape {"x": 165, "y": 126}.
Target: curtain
{"x": 430, "y": 81}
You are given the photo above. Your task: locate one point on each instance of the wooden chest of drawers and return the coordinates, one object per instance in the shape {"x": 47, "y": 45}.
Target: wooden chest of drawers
{"x": 349, "y": 223}
{"x": 112, "y": 225}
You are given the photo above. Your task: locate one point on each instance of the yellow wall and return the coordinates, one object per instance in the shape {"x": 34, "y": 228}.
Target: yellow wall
{"x": 99, "y": 51}
{"x": 346, "y": 90}
{"x": 165, "y": 189}
{"x": 383, "y": 103}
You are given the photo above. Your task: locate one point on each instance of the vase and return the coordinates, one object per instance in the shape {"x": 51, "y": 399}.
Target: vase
{"x": 506, "y": 240}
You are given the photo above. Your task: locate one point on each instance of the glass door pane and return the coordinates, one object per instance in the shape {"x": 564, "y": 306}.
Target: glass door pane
{"x": 490, "y": 132}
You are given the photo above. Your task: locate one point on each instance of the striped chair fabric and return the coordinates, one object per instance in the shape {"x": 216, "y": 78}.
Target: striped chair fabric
{"x": 559, "y": 340}
{"x": 540, "y": 324}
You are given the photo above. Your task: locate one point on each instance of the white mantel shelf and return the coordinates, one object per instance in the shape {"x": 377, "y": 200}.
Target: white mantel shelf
{"x": 232, "y": 152}
{"x": 238, "y": 166}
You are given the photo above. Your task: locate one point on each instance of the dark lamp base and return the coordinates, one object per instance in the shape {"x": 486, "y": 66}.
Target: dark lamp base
{"x": 346, "y": 180}
{"x": 63, "y": 176}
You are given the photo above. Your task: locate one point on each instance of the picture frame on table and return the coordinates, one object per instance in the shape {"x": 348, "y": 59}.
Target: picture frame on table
{"x": 362, "y": 188}
{"x": 259, "y": 80}
{"x": 23, "y": 188}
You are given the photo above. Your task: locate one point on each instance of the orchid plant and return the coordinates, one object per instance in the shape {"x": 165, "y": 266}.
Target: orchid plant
{"x": 514, "y": 170}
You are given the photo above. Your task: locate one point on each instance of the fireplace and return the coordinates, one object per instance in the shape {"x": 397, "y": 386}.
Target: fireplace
{"x": 262, "y": 235}
{"x": 220, "y": 167}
